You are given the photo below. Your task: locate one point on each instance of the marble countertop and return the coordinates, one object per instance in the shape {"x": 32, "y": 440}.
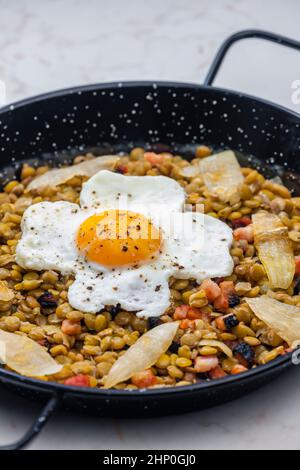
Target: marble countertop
{"x": 59, "y": 43}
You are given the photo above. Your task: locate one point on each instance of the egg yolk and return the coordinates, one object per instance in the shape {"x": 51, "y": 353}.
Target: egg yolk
{"x": 117, "y": 238}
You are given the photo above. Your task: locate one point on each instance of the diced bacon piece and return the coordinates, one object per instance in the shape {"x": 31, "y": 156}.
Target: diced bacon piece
{"x": 227, "y": 288}
{"x": 144, "y": 379}
{"x": 205, "y": 363}
{"x": 297, "y": 261}
{"x": 122, "y": 169}
{"x": 154, "y": 158}
{"x": 238, "y": 369}
{"x": 186, "y": 323}
{"x": 181, "y": 312}
{"x": 71, "y": 328}
{"x": 221, "y": 303}
{"x": 78, "y": 381}
{"x": 241, "y": 222}
{"x": 211, "y": 289}
{"x": 189, "y": 376}
{"x": 194, "y": 313}
{"x": 220, "y": 324}
{"x": 217, "y": 373}
{"x": 185, "y": 312}
{"x": 244, "y": 233}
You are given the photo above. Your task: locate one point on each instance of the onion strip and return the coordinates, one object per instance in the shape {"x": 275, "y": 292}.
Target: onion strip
{"x": 142, "y": 354}
{"x": 282, "y": 318}
{"x": 274, "y": 249}
{"x": 87, "y": 168}
{"x": 25, "y": 356}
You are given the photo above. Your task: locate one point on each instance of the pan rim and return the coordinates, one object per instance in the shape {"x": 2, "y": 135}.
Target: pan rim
{"x": 61, "y": 92}
{"x": 280, "y": 362}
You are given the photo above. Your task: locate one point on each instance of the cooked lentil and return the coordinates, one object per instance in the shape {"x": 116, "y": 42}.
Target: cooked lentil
{"x": 87, "y": 345}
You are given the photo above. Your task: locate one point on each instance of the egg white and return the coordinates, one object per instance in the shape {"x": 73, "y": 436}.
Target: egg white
{"x": 49, "y": 242}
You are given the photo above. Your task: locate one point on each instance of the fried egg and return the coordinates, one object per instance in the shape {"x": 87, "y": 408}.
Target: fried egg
{"x": 124, "y": 241}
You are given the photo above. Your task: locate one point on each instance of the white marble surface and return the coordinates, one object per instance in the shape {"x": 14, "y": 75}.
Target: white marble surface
{"x": 52, "y": 44}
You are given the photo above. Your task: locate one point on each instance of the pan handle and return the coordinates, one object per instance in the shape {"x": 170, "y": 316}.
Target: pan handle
{"x": 36, "y": 427}
{"x": 246, "y": 34}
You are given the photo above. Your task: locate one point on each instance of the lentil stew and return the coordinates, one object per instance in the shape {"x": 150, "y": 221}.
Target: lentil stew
{"x": 219, "y": 334}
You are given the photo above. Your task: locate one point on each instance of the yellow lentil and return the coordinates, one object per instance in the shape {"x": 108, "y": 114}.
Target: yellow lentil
{"x": 175, "y": 372}
{"x": 208, "y": 351}
{"x": 183, "y": 362}
{"x": 163, "y": 362}
{"x": 243, "y": 330}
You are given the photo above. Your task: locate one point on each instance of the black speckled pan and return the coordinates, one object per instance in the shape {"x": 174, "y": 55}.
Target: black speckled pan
{"x": 160, "y": 115}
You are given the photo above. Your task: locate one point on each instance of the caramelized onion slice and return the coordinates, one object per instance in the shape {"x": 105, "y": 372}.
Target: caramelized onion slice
{"x": 87, "y": 168}
{"x": 282, "y": 318}
{"x": 142, "y": 354}
{"x": 25, "y": 356}
{"x": 222, "y": 174}
{"x": 274, "y": 249}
